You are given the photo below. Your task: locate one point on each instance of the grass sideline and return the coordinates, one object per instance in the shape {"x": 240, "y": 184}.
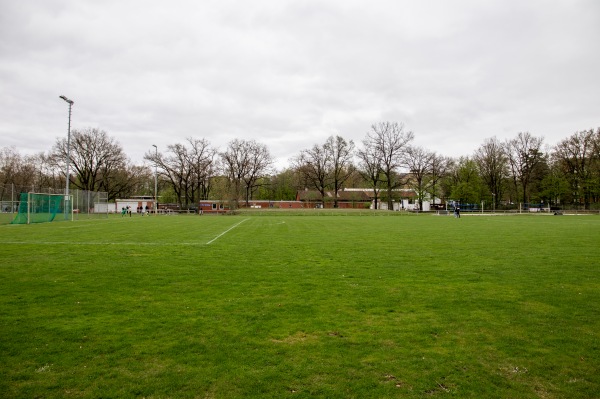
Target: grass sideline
{"x": 317, "y": 306}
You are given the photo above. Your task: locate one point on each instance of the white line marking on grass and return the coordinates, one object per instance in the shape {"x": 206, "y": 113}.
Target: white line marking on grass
{"x": 124, "y": 243}
{"x": 225, "y": 232}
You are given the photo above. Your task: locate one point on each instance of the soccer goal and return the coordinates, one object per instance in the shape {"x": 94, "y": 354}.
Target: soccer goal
{"x": 43, "y": 208}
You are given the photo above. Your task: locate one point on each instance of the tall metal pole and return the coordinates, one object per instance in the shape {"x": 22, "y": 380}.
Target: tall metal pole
{"x": 67, "y": 202}
{"x": 155, "y": 180}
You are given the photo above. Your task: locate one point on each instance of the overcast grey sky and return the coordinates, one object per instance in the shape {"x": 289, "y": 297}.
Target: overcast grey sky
{"x": 291, "y": 73}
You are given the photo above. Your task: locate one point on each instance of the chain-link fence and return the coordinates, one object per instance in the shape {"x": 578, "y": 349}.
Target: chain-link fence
{"x": 86, "y": 204}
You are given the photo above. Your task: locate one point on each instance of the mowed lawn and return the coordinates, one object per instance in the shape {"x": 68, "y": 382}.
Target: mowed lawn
{"x": 301, "y": 306}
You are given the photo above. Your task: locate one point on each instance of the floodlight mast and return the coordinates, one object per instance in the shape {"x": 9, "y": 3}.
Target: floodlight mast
{"x": 70, "y": 102}
{"x": 155, "y": 179}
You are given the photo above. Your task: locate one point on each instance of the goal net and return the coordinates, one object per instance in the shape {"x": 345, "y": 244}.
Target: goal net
{"x": 43, "y": 208}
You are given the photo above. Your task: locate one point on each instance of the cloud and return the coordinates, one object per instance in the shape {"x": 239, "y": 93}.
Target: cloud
{"x": 291, "y": 73}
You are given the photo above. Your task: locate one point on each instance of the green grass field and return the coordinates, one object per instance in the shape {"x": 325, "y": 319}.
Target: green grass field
{"x": 283, "y": 306}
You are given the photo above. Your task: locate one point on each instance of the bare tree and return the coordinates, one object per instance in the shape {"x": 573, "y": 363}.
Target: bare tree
{"x": 29, "y": 173}
{"x": 389, "y": 141}
{"x": 370, "y": 169}
{"x": 439, "y": 170}
{"x": 174, "y": 168}
{"x": 188, "y": 168}
{"x": 261, "y": 163}
{"x": 127, "y": 181}
{"x": 492, "y": 161}
{"x": 15, "y": 168}
{"x": 419, "y": 162}
{"x": 341, "y": 152}
{"x": 203, "y": 166}
{"x": 236, "y": 164}
{"x": 95, "y": 158}
{"x": 245, "y": 163}
{"x": 17, "y": 173}
{"x": 524, "y": 155}
{"x": 45, "y": 171}
{"x": 314, "y": 167}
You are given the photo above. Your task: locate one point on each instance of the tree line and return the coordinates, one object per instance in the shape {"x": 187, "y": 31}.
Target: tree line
{"x": 522, "y": 169}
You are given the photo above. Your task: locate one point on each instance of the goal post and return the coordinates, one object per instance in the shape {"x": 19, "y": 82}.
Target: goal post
{"x": 43, "y": 208}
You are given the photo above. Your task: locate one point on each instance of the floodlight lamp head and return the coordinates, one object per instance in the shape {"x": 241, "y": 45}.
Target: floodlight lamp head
{"x": 67, "y": 100}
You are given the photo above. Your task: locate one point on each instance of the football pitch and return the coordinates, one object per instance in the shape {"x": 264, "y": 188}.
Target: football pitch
{"x": 279, "y": 306}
